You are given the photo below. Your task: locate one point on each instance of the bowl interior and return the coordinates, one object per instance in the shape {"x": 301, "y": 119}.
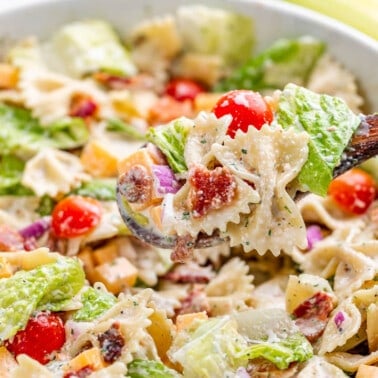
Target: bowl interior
{"x": 272, "y": 20}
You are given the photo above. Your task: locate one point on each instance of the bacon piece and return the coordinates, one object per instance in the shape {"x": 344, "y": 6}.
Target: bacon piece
{"x": 312, "y": 315}
{"x": 190, "y": 273}
{"x": 10, "y": 239}
{"x": 210, "y": 189}
{"x": 84, "y": 372}
{"x": 136, "y": 184}
{"x": 83, "y": 106}
{"x": 261, "y": 368}
{"x": 183, "y": 250}
{"x": 196, "y": 301}
{"x": 111, "y": 343}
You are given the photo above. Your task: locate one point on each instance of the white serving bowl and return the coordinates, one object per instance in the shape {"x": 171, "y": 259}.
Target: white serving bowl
{"x": 272, "y": 19}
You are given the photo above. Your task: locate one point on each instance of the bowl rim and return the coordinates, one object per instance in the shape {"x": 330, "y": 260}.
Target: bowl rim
{"x": 17, "y": 6}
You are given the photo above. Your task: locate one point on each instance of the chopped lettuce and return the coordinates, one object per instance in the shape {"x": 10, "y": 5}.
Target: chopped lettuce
{"x": 11, "y": 169}
{"x": 286, "y": 61}
{"x": 171, "y": 139}
{"x": 216, "y": 31}
{"x": 47, "y": 287}
{"x": 88, "y": 46}
{"x": 295, "y": 348}
{"x": 149, "y": 368}
{"x": 129, "y": 131}
{"x": 214, "y": 349}
{"x": 95, "y": 303}
{"x": 101, "y": 189}
{"x": 219, "y": 346}
{"x": 330, "y": 125}
{"x": 21, "y": 134}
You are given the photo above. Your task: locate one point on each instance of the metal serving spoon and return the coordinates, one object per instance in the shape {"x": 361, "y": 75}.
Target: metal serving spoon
{"x": 362, "y": 147}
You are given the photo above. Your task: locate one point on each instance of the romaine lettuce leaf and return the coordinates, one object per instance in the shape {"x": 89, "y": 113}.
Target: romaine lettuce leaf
{"x": 171, "y": 139}
{"x": 95, "y": 303}
{"x": 103, "y": 190}
{"x": 149, "y": 368}
{"x": 330, "y": 125}
{"x": 216, "y": 31}
{"x": 129, "y": 131}
{"x": 286, "y": 61}
{"x": 88, "y": 46}
{"x": 22, "y": 135}
{"x": 47, "y": 287}
{"x": 295, "y": 348}
{"x": 46, "y": 205}
{"x": 11, "y": 169}
{"x": 214, "y": 349}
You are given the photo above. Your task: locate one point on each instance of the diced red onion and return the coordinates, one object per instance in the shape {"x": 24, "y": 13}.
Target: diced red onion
{"x": 339, "y": 319}
{"x": 314, "y": 235}
{"x": 242, "y": 373}
{"x": 36, "y": 229}
{"x": 167, "y": 182}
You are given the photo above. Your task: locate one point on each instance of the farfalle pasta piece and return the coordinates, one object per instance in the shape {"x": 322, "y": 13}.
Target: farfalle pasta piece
{"x": 319, "y": 367}
{"x": 177, "y": 214}
{"x": 331, "y": 78}
{"x": 232, "y": 284}
{"x": 302, "y": 287}
{"x": 372, "y": 326}
{"x": 49, "y": 94}
{"x": 350, "y": 362}
{"x": 18, "y": 211}
{"x": 335, "y": 258}
{"x": 324, "y": 211}
{"x": 53, "y": 172}
{"x": 344, "y": 323}
{"x": 131, "y": 313}
{"x": 207, "y": 130}
{"x": 269, "y": 159}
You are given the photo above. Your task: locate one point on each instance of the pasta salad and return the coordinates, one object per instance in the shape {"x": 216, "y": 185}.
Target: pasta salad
{"x": 292, "y": 293}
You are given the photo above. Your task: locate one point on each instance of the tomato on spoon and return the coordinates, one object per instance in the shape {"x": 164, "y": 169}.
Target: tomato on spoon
{"x": 247, "y": 108}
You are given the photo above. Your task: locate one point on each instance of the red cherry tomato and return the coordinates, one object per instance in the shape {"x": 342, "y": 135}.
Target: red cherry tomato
{"x": 353, "y": 191}
{"x": 43, "y": 335}
{"x": 183, "y": 89}
{"x": 75, "y": 215}
{"x": 246, "y": 107}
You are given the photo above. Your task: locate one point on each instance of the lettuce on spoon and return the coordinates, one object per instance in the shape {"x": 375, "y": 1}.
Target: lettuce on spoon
{"x": 330, "y": 125}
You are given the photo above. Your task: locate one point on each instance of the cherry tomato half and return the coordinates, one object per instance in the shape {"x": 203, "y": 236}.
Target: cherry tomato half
{"x": 247, "y": 108}
{"x": 43, "y": 335}
{"x": 353, "y": 191}
{"x": 183, "y": 89}
{"x": 75, "y": 215}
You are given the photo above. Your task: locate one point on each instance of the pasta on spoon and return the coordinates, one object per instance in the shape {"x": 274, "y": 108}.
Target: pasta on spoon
{"x": 234, "y": 173}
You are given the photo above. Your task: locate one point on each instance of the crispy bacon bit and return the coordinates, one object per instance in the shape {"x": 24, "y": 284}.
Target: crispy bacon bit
{"x": 190, "y": 273}
{"x": 10, "y": 239}
{"x": 167, "y": 108}
{"x": 312, "y": 315}
{"x": 83, "y": 106}
{"x": 111, "y": 343}
{"x": 196, "y": 301}
{"x": 210, "y": 190}
{"x": 82, "y": 373}
{"x": 183, "y": 250}
{"x": 116, "y": 82}
{"x": 136, "y": 184}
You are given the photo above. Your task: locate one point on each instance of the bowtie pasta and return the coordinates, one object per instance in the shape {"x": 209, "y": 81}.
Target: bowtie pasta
{"x": 290, "y": 291}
